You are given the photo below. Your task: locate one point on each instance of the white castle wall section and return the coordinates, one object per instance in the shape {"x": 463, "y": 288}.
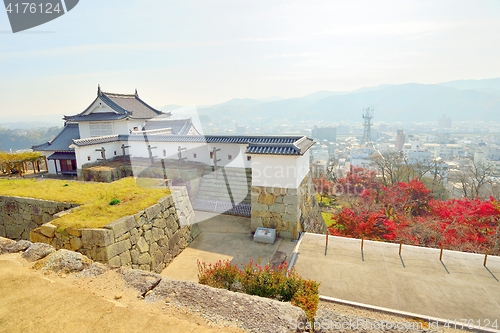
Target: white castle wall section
{"x": 280, "y": 171}
{"x": 231, "y": 155}
{"x": 82, "y": 153}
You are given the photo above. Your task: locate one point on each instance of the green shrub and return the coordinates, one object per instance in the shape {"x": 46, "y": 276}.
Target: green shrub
{"x": 272, "y": 282}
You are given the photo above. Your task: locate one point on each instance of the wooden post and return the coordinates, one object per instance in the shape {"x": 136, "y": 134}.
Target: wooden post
{"x": 362, "y": 242}
{"x": 400, "y": 246}
{"x": 485, "y": 258}
{"x": 326, "y": 242}
{"x": 441, "y": 253}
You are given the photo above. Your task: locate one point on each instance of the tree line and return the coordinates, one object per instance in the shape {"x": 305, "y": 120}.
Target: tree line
{"x": 20, "y": 163}
{"x": 17, "y": 139}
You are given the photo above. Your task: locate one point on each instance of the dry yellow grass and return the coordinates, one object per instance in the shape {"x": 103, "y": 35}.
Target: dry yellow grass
{"x": 94, "y": 198}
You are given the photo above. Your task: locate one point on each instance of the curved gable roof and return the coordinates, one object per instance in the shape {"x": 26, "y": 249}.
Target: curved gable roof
{"x": 124, "y": 105}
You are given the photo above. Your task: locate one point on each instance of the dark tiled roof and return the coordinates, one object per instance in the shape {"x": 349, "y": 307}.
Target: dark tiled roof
{"x": 285, "y": 149}
{"x": 97, "y": 140}
{"x": 272, "y": 145}
{"x": 62, "y": 141}
{"x": 62, "y": 156}
{"x": 298, "y": 147}
{"x": 178, "y": 126}
{"x": 125, "y": 105}
{"x": 105, "y": 116}
{"x": 132, "y": 104}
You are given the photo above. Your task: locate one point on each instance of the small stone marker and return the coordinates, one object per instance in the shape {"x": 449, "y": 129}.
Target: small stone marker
{"x": 265, "y": 235}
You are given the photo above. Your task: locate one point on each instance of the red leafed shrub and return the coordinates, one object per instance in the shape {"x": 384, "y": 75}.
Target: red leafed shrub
{"x": 221, "y": 275}
{"x": 272, "y": 282}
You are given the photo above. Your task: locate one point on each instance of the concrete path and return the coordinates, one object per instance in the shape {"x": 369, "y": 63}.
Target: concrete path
{"x": 458, "y": 287}
{"x": 223, "y": 237}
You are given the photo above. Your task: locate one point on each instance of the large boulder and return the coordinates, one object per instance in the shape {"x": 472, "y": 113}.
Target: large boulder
{"x": 18, "y": 246}
{"x": 252, "y": 313}
{"x": 4, "y": 242}
{"x": 64, "y": 261}
{"x": 38, "y": 251}
{"x": 142, "y": 281}
{"x": 93, "y": 270}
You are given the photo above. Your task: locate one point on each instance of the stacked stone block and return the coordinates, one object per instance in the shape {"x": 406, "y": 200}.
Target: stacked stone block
{"x": 289, "y": 211}
{"x": 148, "y": 240}
{"x": 18, "y": 216}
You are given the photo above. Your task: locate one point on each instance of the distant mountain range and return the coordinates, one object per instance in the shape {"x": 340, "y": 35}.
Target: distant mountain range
{"x": 463, "y": 100}
{"x": 36, "y": 121}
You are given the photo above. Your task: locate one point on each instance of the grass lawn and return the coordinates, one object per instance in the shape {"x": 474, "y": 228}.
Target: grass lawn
{"x": 93, "y": 198}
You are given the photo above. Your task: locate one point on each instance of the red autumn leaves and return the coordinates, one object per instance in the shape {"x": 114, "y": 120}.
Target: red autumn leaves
{"x": 408, "y": 212}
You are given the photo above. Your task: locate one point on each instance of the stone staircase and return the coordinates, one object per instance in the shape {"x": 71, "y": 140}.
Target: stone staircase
{"x": 226, "y": 190}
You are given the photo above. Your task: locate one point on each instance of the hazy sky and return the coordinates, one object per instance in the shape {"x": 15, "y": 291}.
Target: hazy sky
{"x": 206, "y": 52}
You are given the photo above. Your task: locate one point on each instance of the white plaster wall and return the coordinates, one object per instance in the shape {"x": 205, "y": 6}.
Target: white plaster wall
{"x": 125, "y": 126}
{"x": 84, "y": 129}
{"x": 120, "y": 127}
{"x": 279, "y": 171}
{"x": 201, "y": 150}
{"x": 83, "y": 152}
{"x": 51, "y": 165}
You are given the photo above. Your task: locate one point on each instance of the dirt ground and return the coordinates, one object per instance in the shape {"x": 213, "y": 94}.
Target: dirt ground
{"x": 31, "y": 301}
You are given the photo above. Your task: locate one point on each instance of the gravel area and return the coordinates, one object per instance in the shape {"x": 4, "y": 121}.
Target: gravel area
{"x": 223, "y": 307}
{"x": 333, "y": 317}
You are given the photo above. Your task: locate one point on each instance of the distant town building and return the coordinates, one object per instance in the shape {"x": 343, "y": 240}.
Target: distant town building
{"x": 446, "y": 151}
{"x": 325, "y": 133}
{"x": 487, "y": 153}
{"x": 241, "y": 130}
{"x": 361, "y": 157}
{"x": 444, "y": 122}
{"x": 400, "y": 140}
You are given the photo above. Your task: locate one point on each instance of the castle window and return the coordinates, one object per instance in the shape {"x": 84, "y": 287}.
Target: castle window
{"x": 249, "y": 158}
{"x": 229, "y": 157}
{"x": 194, "y": 155}
{"x": 164, "y": 152}
{"x": 100, "y": 129}
{"x": 88, "y": 158}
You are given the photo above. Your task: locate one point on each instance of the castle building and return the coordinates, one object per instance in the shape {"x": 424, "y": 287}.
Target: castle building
{"x": 258, "y": 172}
